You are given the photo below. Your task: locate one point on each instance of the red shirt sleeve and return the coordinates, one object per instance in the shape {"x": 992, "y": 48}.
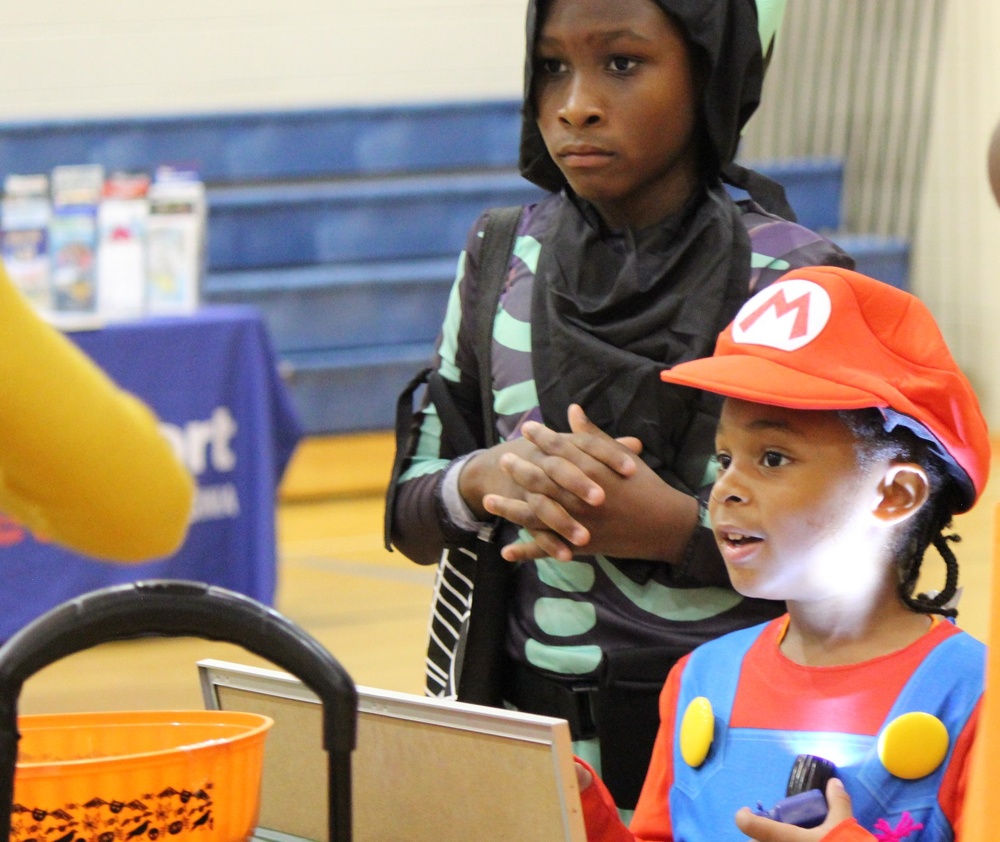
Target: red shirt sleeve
{"x": 600, "y": 816}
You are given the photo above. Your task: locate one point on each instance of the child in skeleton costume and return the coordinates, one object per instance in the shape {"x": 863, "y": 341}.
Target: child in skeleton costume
{"x": 636, "y": 261}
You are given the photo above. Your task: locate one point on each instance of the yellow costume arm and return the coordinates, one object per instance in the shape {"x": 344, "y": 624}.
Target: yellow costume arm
{"x": 82, "y": 462}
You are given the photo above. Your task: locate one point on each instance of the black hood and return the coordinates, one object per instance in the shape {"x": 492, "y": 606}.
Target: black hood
{"x": 727, "y": 50}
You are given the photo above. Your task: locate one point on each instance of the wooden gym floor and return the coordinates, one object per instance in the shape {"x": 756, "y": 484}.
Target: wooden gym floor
{"x": 366, "y": 605}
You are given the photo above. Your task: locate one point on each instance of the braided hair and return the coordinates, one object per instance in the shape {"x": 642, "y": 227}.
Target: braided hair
{"x": 927, "y": 527}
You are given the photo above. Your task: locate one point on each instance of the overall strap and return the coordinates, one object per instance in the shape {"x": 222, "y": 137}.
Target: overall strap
{"x": 947, "y": 684}
{"x": 703, "y": 677}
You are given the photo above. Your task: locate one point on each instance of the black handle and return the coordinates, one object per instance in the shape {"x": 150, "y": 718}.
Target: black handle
{"x": 174, "y": 608}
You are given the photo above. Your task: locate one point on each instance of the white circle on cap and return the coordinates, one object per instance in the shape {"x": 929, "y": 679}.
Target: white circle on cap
{"x": 787, "y": 315}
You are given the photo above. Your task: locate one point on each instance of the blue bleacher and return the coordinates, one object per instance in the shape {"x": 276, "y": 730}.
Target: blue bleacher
{"x": 389, "y": 218}
{"x": 343, "y": 226}
{"x": 249, "y": 147}
{"x": 885, "y": 258}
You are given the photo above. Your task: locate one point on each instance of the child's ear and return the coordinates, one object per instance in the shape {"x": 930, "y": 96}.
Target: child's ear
{"x": 903, "y": 490}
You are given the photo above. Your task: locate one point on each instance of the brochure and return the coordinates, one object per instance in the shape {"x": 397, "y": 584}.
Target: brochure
{"x": 175, "y": 237}
{"x": 121, "y": 252}
{"x": 25, "y": 213}
{"x": 76, "y": 193}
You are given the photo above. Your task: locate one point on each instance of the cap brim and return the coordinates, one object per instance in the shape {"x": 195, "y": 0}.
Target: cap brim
{"x": 764, "y": 381}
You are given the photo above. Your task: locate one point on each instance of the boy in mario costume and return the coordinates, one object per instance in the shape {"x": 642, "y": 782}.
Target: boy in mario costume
{"x": 848, "y": 439}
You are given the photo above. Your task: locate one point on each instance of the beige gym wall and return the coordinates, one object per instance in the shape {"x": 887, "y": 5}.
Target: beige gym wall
{"x": 64, "y": 58}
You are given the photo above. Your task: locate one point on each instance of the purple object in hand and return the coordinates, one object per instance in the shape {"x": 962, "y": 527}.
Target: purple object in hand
{"x": 806, "y": 809}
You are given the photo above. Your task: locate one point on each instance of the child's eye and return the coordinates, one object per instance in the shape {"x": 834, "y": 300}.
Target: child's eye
{"x": 774, "y": 459}
{"x": 723, "y": 460}
{"x": 622, "y": 64}
{"x": 549, "y": 66}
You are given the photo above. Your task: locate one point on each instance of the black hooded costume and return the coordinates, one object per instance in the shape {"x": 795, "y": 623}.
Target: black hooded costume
{"x": 591, "y": 315}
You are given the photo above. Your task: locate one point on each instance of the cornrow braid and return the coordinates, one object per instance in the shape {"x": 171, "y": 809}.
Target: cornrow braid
{"x": 927, "y": 527}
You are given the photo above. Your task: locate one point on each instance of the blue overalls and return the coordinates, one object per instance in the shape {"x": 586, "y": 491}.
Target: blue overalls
{"x": 747, "y": 765}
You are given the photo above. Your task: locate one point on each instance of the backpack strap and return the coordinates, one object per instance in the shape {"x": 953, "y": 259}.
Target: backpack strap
{"x": 481, "y": 673}
{"x": 454, "y": 428}
{"x": 403, "y": 426}
{"x": 494, "y": 259}
{"x": 498, "y": 244}
{"x": 767, "y": 192}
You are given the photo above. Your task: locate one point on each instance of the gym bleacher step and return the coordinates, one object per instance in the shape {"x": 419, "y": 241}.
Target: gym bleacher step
{"x": 282, "y": 145}
{"x": 351, "y": 390}
{"x": 343, "y": 305}
{"x": 330, "y": 222}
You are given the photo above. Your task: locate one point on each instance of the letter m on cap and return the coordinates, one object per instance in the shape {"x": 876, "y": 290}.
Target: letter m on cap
{"x": 786, "y": 315}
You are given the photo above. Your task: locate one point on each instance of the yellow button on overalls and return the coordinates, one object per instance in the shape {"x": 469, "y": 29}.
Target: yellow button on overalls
{"x": 697, "y": 731}
{"x": 913, "y": 745}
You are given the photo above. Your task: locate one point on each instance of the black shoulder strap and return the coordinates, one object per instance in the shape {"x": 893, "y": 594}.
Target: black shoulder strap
{"x": 481, "y": 676}
{"x": 767, "y": 192}
{"x": 403, "y": 422}
{"x": 498, "y": 244}
{"x": 494, "y": 260}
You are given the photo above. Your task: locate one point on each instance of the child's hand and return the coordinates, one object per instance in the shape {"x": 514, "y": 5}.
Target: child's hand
{"x": 761, "y": 829}
{"x": 482, "y": 474}
{"x": 561, "y": 485}
{"x": 589, "y": 491}
{"x": 583, "y": 776}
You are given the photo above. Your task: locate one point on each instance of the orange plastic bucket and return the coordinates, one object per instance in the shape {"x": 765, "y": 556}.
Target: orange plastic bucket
{"x": 138, "y": 776}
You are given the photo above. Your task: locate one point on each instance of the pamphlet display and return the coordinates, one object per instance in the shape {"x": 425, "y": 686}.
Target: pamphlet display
{"x": 86, "y": 246}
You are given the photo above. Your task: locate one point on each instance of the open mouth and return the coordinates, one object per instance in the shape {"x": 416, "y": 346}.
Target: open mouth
{"x": 737, "y": 539}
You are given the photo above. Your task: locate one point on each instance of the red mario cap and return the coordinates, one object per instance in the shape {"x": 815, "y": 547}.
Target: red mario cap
{"x": 829, "y": 338}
